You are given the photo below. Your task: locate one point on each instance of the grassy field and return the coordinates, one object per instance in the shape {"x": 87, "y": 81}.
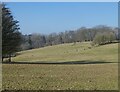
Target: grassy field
{"x": 66, "y": 66}
{"x": 71, "y": 52}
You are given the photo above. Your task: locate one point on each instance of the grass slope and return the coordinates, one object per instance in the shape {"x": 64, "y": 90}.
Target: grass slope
{"x": 70, "y": 52}
{"x": 88, "y": 71}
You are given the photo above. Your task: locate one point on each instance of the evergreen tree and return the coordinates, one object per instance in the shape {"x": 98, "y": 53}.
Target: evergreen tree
{"x": 11, "y": 37}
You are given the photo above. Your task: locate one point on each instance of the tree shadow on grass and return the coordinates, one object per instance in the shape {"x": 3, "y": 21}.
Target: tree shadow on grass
{"x": 61, "y": 63}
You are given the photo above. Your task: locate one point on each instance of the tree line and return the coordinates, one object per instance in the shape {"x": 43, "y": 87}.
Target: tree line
{"x": 97, "y": 35}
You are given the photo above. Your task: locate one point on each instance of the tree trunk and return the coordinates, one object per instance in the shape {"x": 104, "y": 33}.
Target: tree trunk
{"x": 9, "y": 59}
{"x": 2, "y": 59}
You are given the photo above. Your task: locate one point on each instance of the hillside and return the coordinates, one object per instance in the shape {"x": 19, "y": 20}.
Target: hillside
{"x": 95, "y": 68}
{"x": 70, "y": 52}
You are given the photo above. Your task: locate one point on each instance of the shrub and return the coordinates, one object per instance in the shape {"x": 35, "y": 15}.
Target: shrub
{"x": 103, "y": 38}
